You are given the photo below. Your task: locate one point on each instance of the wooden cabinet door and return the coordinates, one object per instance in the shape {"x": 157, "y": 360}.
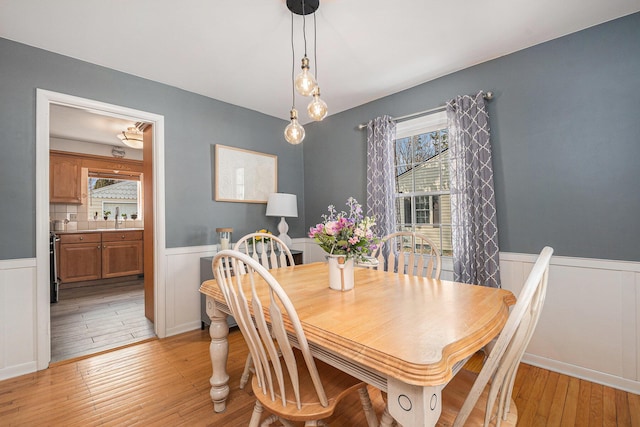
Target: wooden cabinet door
{"x": 80, "y": 261}
{"x": 122, "y": 258}
{"x": 64, "y": 180}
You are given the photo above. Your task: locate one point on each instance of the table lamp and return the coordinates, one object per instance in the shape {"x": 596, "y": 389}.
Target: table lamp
{"x": 283, "y": 205}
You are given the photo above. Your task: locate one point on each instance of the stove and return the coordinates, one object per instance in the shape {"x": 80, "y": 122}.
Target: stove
{"x": 54, "y": 281}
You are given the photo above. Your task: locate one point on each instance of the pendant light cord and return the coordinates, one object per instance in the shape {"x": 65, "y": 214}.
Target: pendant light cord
{"x": 304, "y": 29}
{"x": 293, "y": 68}
{"x": 315, "y": 47}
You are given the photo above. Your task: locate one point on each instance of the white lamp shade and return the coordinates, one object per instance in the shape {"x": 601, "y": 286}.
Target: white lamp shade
{"x": 283, "y": 205}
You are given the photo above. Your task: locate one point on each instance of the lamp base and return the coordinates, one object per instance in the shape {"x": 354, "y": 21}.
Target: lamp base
{"x": 283, "y": 227}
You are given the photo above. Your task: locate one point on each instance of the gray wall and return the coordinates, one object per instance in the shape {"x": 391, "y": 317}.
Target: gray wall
{"x": 565, "y": 127}
{"x": 565, "y": 124}
{"x": 193, "y": 123}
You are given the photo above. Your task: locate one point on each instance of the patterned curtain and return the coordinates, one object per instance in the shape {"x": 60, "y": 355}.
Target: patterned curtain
{"x": 381, "y": 132}
{"x": 473, "y": 208}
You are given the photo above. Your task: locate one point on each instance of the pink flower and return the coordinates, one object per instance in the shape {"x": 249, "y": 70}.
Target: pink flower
{"x": 332, "y": 228}
{"x": 316, "y": 230}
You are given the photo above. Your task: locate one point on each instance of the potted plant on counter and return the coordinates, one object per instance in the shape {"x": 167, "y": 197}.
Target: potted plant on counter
{"x": 106, "y": 215}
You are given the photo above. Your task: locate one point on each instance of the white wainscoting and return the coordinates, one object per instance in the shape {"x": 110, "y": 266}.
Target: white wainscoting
{"x": 183, "y": 284}
{"x": 589, "y": 328}
{"x": 18, "y": 344}
{"x": 590, "y": 323}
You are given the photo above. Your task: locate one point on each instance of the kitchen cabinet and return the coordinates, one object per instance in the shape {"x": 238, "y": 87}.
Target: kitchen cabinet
{"x": 64, "y": 179}
{"x": 80, "y": 257}
{"x": 100, "y": 255}
{"x": 121, "y": 254}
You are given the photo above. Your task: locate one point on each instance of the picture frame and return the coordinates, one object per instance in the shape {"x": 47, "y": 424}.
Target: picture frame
{"x": 243, "y": 175}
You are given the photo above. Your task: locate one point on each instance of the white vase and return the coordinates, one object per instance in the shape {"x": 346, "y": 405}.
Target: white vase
{"x": 340, "y": 272}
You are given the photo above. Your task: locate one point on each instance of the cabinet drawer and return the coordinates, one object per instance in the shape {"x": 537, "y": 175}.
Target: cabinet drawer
{"x": 79, "y": 238}
{"x": 121, "y": 236}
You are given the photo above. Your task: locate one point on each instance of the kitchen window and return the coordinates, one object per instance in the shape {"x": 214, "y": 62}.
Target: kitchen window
{"x": 108, "y": 190}
{"x": 422, "y": 178}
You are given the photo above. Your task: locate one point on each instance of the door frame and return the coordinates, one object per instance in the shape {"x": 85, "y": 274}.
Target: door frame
{"x": 44, "y": 99}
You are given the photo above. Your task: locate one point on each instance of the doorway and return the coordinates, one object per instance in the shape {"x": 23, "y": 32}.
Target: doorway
{"x": 154, "y": 150}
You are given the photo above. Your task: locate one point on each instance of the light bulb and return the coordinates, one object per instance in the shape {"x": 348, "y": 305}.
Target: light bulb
{"x": 317, "y": 108}
{"x": 305, "y": 83}
{"x": 294, "y": 132}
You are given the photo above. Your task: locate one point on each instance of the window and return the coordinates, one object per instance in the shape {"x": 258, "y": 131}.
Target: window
{"x": 109, "y": 190}
{"x": 422, "y": 178}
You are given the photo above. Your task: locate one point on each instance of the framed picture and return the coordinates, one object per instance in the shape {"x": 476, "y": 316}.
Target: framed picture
{"x": 244, "y": 176}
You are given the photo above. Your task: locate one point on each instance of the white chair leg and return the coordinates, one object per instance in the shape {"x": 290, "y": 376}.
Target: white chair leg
{"x": 248, "y": 366}
{"x": 273, "y": 418}
{"x": 386, "y": 420}
{"x": 255, "y": 416}
{"x": 370, "y": 414}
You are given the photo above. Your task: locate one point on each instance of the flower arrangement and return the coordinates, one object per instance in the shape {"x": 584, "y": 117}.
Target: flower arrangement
{"x": 346, "y": 234}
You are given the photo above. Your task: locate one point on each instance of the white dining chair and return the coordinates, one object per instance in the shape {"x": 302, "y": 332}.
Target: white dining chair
{"x": 485, "y": 398}
{"x": 267, "y": 249}
{"x": 289, "y": 382}
{"x": 407, "y": 252}
{"x": 270, "y": 252}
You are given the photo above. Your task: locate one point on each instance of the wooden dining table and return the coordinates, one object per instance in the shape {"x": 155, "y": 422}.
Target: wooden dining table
{"x": 405, "y": 335}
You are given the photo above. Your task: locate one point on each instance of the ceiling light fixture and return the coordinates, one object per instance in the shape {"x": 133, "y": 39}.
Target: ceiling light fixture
{"x": 305, "y": 83}
{"x": 131, "y": 137}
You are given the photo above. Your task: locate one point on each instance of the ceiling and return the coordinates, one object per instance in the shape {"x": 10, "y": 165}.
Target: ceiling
{"x": 81, "y": 125}
{"x": 240, "y": 51}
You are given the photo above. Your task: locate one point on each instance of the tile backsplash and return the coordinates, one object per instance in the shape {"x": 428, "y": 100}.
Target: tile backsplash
{"x": 61, "y": 211}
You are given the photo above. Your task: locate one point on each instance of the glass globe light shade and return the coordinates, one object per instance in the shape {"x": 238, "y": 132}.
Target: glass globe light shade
{"x": 132, "y": 137}
{"x": 294, "y": 132}
{"x": 317, "y": 108}
{"x": 305, "y": 83}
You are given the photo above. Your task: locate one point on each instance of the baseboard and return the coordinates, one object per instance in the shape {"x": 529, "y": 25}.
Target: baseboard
{"x": 583, "y": 373}
{"x": 17, "y": 370}
{"x": 185, "y": 327}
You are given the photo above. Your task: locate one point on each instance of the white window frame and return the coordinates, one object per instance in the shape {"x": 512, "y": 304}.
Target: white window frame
{"x": 425, "y": 124}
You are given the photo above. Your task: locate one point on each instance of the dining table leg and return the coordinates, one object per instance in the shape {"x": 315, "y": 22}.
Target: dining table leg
{"x": 219, "y": 352}
{"x": 412, "y": 405}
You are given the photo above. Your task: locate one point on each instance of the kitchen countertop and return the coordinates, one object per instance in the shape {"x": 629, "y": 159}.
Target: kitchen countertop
{"x": 98, "y": 230}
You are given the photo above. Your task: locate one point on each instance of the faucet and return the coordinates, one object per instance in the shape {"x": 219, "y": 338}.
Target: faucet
{"x": 117, "y": 217}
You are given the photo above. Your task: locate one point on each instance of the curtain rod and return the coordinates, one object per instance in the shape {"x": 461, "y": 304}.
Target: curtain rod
{"x": 488, "y": 96}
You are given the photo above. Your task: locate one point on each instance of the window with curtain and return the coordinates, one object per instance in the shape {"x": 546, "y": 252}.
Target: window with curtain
{"x": 422, "y": 193}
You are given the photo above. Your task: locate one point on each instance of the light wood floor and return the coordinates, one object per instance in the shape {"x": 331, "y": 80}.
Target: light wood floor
{"x": 91, "y": 318}
{"x": 166, "y": 383}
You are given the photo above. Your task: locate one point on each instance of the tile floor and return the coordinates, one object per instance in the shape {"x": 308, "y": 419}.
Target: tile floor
{"x": 94, "y": 318}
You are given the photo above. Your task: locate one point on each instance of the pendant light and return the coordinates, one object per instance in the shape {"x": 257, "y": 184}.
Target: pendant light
{"x": 294, "y": 132}
{"x": 305, "y": 83}
{"x": 317, "y": 108}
